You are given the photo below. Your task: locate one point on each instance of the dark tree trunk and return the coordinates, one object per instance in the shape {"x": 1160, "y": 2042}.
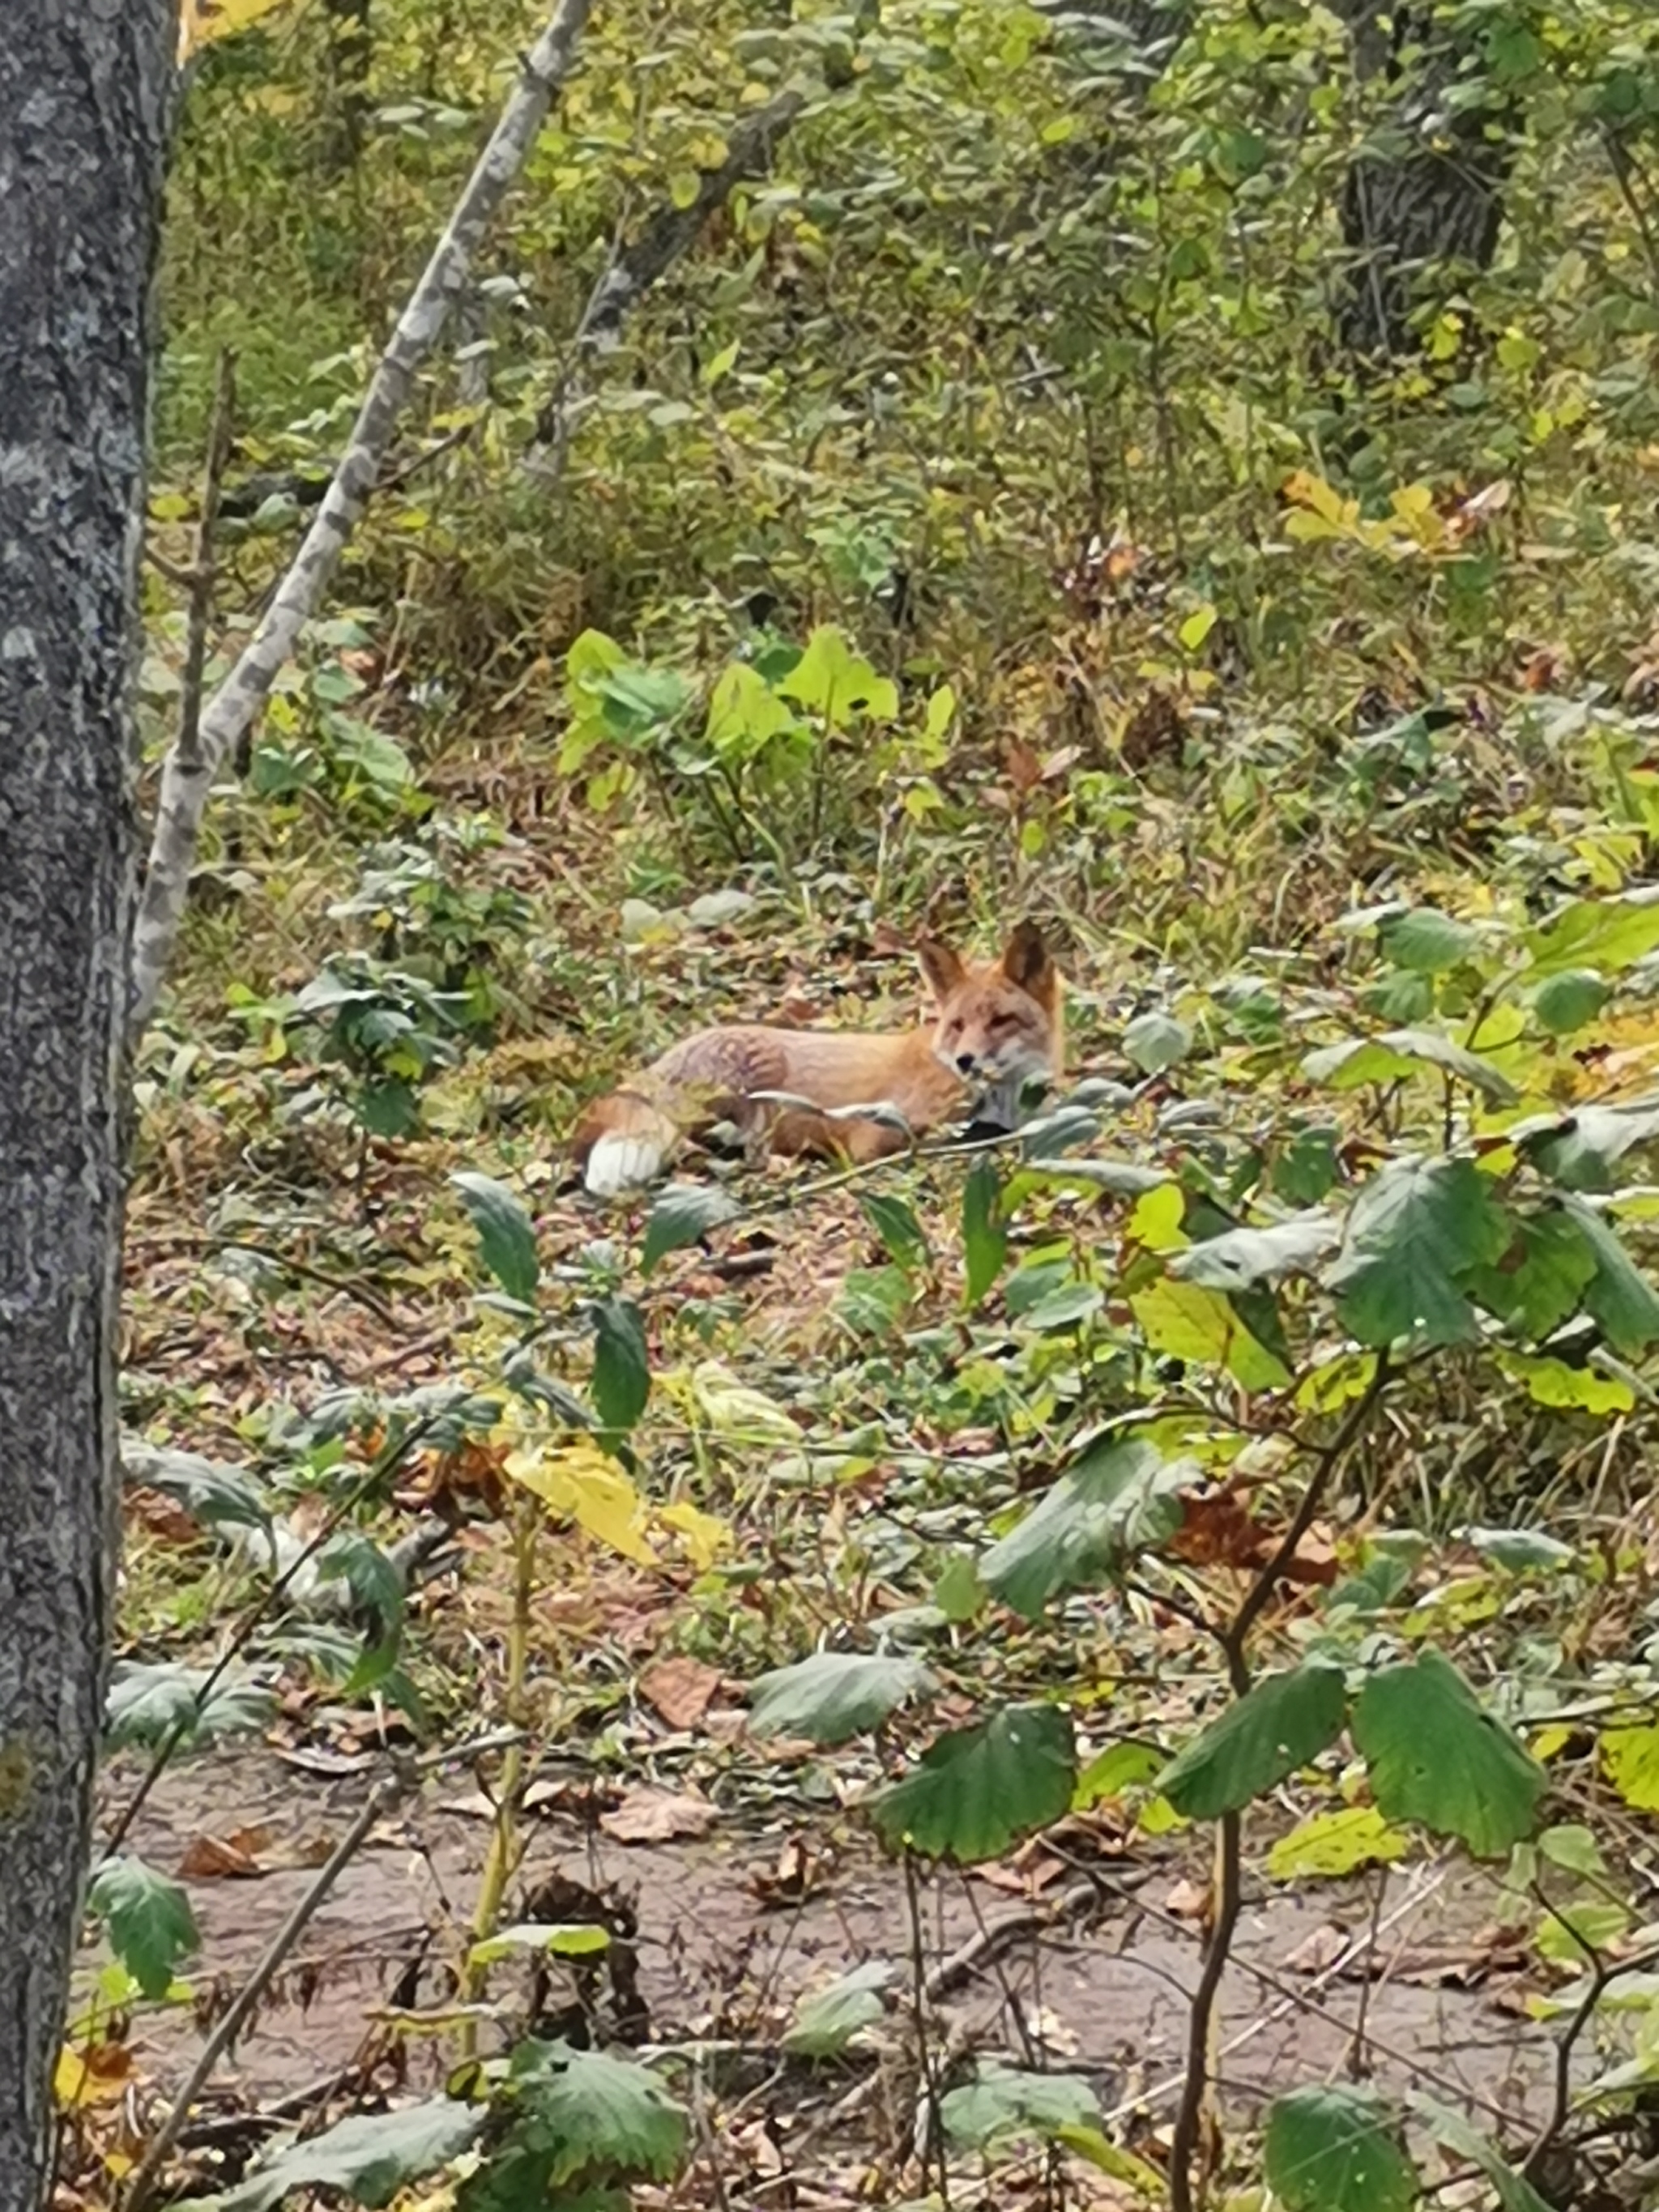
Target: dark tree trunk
{"x": 351, "y": 50}
{"x": 1429, "y": 201}
{"x": 84, "y": 95}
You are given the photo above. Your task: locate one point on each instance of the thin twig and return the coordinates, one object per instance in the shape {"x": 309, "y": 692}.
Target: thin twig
{"x": 1229, "y": 1867}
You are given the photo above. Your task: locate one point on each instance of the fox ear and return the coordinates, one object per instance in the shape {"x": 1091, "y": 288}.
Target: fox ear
{"x": 943, "y": 970}
{"x": 1026, "y": 963}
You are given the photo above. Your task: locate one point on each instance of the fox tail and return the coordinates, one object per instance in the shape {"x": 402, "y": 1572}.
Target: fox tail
{"x": 623, "y": 1142}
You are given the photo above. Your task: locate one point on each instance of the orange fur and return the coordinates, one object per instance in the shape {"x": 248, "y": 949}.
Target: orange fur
{"x": 995, "y": 1027}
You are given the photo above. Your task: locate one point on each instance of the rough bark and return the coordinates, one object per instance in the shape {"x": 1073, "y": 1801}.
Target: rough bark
{"x": 85, "y": 87}
{"x": 1426, "y": 197}
{"x": 186, "y": 781}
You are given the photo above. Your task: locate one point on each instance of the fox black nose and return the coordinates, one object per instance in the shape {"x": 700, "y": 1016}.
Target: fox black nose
{"x": 966, "y": 1061}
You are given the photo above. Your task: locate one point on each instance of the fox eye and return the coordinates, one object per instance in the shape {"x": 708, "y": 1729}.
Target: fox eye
{"x": 953, "y": 1027}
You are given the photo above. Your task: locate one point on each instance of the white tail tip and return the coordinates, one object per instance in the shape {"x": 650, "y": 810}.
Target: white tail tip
{"x": 619, "y": 1164}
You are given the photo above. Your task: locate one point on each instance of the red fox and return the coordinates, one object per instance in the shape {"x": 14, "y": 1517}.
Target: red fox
{"x": 996, "y": 1028}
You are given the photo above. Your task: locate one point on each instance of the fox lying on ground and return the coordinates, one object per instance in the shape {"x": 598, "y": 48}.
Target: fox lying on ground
{"x": 996, "y": 1028}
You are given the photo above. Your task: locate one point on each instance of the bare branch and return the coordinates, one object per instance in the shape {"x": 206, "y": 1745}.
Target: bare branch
{"x": 185, "y": 782}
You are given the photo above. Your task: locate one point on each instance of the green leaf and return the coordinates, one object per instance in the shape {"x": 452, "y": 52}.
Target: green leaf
{"x": 1239, "y": 1257}
{"x": 825, "y": 2023}
{"x": 958, "y": 1593}
{"x": 1578, "y": 1151}
{"x": 1117, "y": 1498}
{"x": 218, "y": 1496}
{"x": 622, "y": 1367}
{"x": 1514, "y": 2192}
{"x": 977, "y": 1789}
{"x": 601, "y": 2117}
{"x": 148, "y": 1702}
{"x": 1436, "y": 1755}
{"x": 1399, "y": 1053}
{"x": 745, "y": 714}
{"x": 1121, "y": 1766}
{"x": 1564, "y": 1003}
{"x": 1002, "y": 2101}
{"x": 835, "y": 682}
{"x": 1413, "y": 1234}
{"x": 1521, "y": 1551}
{"x": 1618, "y": 1295}
{"x": 984, "y": 1234}
{"x": 366, "y": 2159}
{"x": 1331, "y": 1845}
{"x": 1337, "y": 2149}
{"x": 1063, "y": 1307}
{"x": 685, "y": 1213}
{"x": 507, "y": 1237}
{"x": 903, "y": 1236}
{"x": 1425, "y": 941}
{"x": 1610, "y": 933}
{"x": 573, "y": 1939}
{"x": 834, "y": 1695}
{"x": 1156, "y": 1042}
{"x": 1280, "y": 1724}
{"x": 1553, "y": 1383}
{"x": 1538, "y": 1282}
{"x": 872, "y": 1301}
{"x": 150, "y": 1923}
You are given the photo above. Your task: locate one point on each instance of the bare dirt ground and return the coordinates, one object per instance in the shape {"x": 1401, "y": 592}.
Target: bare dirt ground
{"x": 725, "y": 1953}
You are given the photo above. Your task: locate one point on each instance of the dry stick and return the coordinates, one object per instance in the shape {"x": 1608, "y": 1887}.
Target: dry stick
{"x": 186, "y": 781}
{"x": 380, "y": 1801}
{"x": 1228, "y": 1840}
{"x": 388, "y": 1791}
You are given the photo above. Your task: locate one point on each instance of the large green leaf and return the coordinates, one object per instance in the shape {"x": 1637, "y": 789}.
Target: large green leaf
{"x": 835, "y": 682}
{"x": 1513, "y": 2191}
{"x": 894, "y": 1220}
{"x": 826, "y": 2022}
{"x": 984, "y": 1233}
{"x": 1155, "y": 1042}
{"x": 683, "y": 1214}
{"x": 1538, "y": 1283}
{"x": 148, "y": 1918}
{"x": 1278, "y": 1726}
{"x": 1412, "y": 1235}
{"x": 367, "y": 2159}
{"x": 1579, "y": 1151}
{"x": 1436, "y": 1755}
{"x": 1564, "y": 1002}
{"x": 507, "y": 1239}
{"x": 1118, "y": 1499}
{"x": 1425, "y": 940}
{"x": 1608, "y": 934}
{"x": 1239, "y": 1257}
{"x": 147, "y": 1702}
{"x": 977, "y": 1788}
{"x": 835, "y": 1694}
{"x": 622, "y": 1366}
{"x": 1400, "y": 1053}
{"x": 217, "y": 1495}
{"x": 1618, "y": 1295}
{"x": 1337, "y": 2149}
{"x": 1003, "y": 2101}
{"x": 601, "y": 2117}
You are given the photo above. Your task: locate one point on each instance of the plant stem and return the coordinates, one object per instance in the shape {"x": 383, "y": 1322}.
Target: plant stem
{"x": 502, "y": 1856}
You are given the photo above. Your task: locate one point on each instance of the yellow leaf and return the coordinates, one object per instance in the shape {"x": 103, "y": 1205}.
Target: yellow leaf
{"x": 1331, "y": 1844}
{"x": 1332, "y": 1384}
{"x": 1187, "y": 1321}
{"x": 1196, "y": 628}
{"x": 704, "y": 1537}
{"x": 1155, "y": 1222}
{"x": 578, "y": 1482}
{"x": 1553, "y": 1383}
{"x": 101, "y": 2077}
{"x": 1159, "y": 1817}
{"x": 1630, "y": 1756}
{"x": 1548, "y": 1743}
{"x": 734, "y": 1409}
{"x": 1304, "y": 488}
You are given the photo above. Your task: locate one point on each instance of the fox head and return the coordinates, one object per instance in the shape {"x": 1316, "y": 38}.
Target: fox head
{"x": 998, "y": 1027}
